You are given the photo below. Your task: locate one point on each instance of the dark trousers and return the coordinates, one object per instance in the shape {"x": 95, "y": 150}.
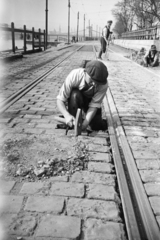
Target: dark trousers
{"x": 149, "y": 61}
{"x": 78, "y": 100}
{"x": 103, "y": 47}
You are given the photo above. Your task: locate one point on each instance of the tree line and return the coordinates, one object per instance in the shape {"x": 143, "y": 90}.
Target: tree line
{"x": 142, "y": 13}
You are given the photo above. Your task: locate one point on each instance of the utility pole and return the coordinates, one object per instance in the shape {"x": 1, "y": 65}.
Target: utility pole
{"x": 46, "y": 23}
{"x": 89, "y": 28}
{"x": 77, "y": 25}
{"x": 84, "y": 27}
{"x": 69, "y": 21}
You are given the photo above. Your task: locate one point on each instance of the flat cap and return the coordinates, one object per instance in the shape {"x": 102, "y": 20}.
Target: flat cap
{"x": 153, "y": 47}
{"x": 97, "y": 71}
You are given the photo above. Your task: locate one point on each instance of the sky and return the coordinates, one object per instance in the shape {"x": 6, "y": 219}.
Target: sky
{"x": 32, "y": 13}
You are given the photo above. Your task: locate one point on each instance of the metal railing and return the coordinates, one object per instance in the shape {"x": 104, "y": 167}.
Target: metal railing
{"x": 147, "y": 33}
{"x": 36, "y": 38}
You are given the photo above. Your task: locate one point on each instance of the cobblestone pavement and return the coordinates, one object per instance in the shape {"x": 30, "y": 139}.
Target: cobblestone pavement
{"x": 136, "y": 94}
{"x": 84, "y": 205}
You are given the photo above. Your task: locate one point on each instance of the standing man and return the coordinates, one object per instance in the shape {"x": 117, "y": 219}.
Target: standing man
{"x": 84, "y": 88}
{"x": 105, "y": 38}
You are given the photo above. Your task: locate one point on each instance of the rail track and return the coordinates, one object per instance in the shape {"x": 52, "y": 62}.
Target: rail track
{"x": 139, "y": 218}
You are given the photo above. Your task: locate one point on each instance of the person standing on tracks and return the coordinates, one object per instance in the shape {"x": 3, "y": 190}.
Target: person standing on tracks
{"x": 84, "y": 88}
{"x": 104, "y": 39}
{"x": 151, "y": 57}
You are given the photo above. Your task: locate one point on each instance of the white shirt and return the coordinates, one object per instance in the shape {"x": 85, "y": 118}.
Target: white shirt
{"x": 76, "y": 79}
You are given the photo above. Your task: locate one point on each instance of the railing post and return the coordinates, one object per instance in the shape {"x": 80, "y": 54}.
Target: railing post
{"x": 44, "y": 40}
{"x": 39, "y": 38}
{"x": 24, "y": 39}
{"x": 33, "y": 38}
{"x": 13, "y": 37}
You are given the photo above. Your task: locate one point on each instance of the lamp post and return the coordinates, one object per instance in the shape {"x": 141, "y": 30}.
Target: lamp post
{"x": 69, "y": 21}
{"x": 46, "y": 23}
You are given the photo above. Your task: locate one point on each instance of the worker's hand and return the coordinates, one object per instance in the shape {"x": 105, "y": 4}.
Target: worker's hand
{"x": 70, "y": 120}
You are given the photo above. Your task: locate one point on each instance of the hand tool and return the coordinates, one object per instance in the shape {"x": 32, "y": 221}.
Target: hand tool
{"x": 78, "y": 122}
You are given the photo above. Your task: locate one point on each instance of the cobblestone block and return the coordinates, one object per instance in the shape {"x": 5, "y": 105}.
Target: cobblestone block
{"x": 36, "y": 109}
{"x": 150, "y": 175}
{"x": 144, "y": 155}
{"x": 91, "y": 177}
{"x": 147, "y": 164}
{"x": 97, "y": 148}
{"x": 86, "y": 208}
{"x": 100, "y": 157}
{"x": 102, "y": 192}
{"x": 32, "y": 116}
{"x": 13, "y": 204}
{"x": 34, "y": 188}
{"x": 6, "y": 186}
{"x": 100, "y": 167}
{"x": 59, "y": 227}
{"x": 45, "y": 204}
{"x": 100, "y": 230}
{"x": 155, "y": 203}
{"x": 59, "y": 179}
{"x": 5, "y": 120}
{"x": 67, "y": 189}
{"x": 136, "y": 139}
{"x": 24, "y": 225}
{"x": 152, "y": 189}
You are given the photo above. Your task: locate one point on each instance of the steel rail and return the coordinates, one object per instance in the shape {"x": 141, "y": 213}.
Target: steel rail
{"x": 128, "y": 209}
{"x": 147, "y": 224}
{"x": 20, "y": 93}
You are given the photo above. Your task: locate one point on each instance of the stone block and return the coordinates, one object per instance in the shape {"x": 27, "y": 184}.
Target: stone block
{"x": 100, "y": 167}
{"x": 100, "y": 157}
{"x": 33, "y": 188}
{"x": 152, "y": 189}
{"x": 155, "y": 203}
{"x": 150, "y": 175}
{"x": 23, "y": 225}
{"x": 45, "y": 204}
{"x": 92, "y": 177}
{"x": 147, "y": 164}
{"x": 87, "y": 208}
{"x": 67, "y": 189}
{"x": 13, "y": 204}
{"x": 102, "y": 192}
{"x": 144, "y": 155}
{"x": 6, "y": 186}
{"x": 97, "y": 148}
{"x": 59, "y": 227}
{"x": 100, "y": 230}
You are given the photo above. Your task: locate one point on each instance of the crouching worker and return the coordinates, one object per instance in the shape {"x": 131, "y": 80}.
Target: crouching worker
{"x": 151, "y": 57}
{"x": 84, "y": 88}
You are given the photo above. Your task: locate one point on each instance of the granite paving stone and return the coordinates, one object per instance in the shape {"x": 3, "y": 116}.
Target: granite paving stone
{"x": 34, "y": 188}
{"x": 100, "y": 167}
{"x": 100, "y": 230}
{"x": 97, "y": 148}
{"x": 100, "y": 157}
{"x": 102, "y": 192}
{"x": 155, "y": 203}
{"x": 152, "y": 189}
{"x": 59, "y": 227}
{"x": 92, "y": 177}
{"x": 88, "y": 208}
{"x": 148, "y": 164}
{"x": 45, "y": 204}
{"x": 67, "y": 189}
{"x": 6, "y": 186}
{"x": 13, "y": 204}
{"x": 150, "y": 175}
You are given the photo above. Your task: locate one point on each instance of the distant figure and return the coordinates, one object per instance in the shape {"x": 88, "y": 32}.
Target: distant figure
{"x": 105, "y": 39}
{"x": 151, "y": 57}
{"x": 73, "y": 39}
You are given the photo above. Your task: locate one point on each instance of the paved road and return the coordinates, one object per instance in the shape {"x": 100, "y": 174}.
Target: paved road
{"x": 82, "y": 204}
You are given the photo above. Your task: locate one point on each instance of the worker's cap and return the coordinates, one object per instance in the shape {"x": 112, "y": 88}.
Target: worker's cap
{"x": 97, "y": 71}
{"x": 153, "y": 47}
{"x": 109, "y": 21}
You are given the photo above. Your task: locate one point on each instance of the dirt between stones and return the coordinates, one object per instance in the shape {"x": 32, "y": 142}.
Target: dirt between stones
{"x": 31, "y": 157}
